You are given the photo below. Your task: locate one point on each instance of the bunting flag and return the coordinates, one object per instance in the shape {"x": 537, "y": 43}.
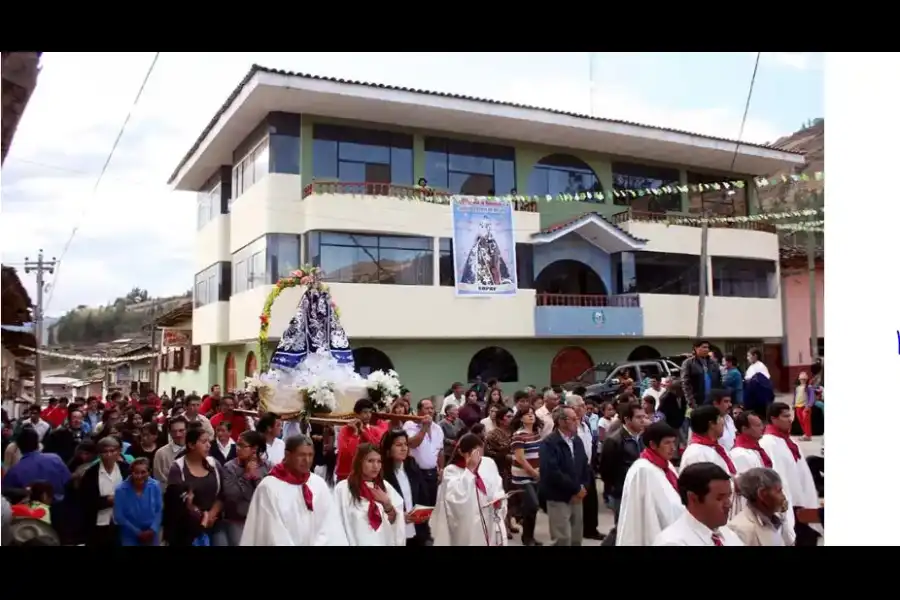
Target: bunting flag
{"x": 428, "y": 194}
{"x": 793, "y": 214}
{"x": 817, "y": 226}
{"x": 93, "y": 359}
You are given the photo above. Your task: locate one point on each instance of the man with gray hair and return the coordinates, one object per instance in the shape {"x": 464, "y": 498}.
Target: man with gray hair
{"x": 565, "y": 478}
{"x": 97, "y": 491}
{"x": 551, "y": 401}
{"x": 762, "y": 522}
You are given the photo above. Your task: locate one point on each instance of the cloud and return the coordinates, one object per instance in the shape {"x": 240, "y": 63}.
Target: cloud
{"x": 801, "y": 61}
{"x": 132, "y": 230}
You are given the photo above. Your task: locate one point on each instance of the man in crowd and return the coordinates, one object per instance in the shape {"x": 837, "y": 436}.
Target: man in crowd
{"x": 621, "y": 449}
{"x": 210, "y": 404}
{"x": 63, "y": 440}
{"x": 359, "y": 430}
{"x": 699, "y": 375}
{"x": 761, "y": 522}
{"x": 650, "y": 499}
{"x": 56, "y": 416}
{"x": 454, "y": 398}
{"x": 35, "y": 466}
{"x": 747, "y": 453}
{"x": 544, "y": 413}
{"x": 591, "y": 509}
{"x": 293, "y": 506}
{"x": 165, "y": 456}
{"x": 521, "y": 401}
{"x": 722, "y": 401}
{"x": 238, "y": 422}
{"x": 705, "y": 490}
{"x": 426, "y": 446}
{"x": 92, "y": 415}
{"x": 789, "y": 463}
{"x": 565, "y": 477}
{"x": 40, "y": 426}
{"x": 192, "y": 414}
{"x": 269, "y": 425}
{"x": 654, "y": 390}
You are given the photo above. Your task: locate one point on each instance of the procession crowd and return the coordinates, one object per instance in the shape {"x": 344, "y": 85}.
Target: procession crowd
{"x": 680, "y": 462}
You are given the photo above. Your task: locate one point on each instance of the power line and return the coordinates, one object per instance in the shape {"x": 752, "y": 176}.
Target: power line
{"x": 746, "y": 111}
{"x": 112, "y": 151}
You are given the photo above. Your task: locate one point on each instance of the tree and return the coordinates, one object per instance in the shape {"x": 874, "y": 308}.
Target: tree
{"x": 137, "y": 295}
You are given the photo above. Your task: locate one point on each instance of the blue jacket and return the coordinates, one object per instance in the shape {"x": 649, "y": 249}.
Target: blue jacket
{"x": 563, "y": 471}
{"x": 135, "y": 513}
{"x": 36, "y": 466}
{"x": 758, "y": 394}
{"x": 734, "y": 383}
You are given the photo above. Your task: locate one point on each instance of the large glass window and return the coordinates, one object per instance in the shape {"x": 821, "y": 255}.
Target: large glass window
{"x": 361, "y": 258}
{"x": 209, "y": 205}
{"x": 743, "y": 277}
{"x": 264, "y": 260}
{"x": 470, "y": 168}
{"x": 631, "y": 177}
{"x": 563, "y": 174}
{"x": 354, "y": 155}
{"x": 657, "y": 273}
{"x": 716, "y": 202}
{"x": 250, "y": 169}
{"x": 212, "y": 284}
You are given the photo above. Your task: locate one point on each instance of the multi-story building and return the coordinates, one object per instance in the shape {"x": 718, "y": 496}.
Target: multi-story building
{"x": 297, "y": 169}
{"x": 19, "y": 78}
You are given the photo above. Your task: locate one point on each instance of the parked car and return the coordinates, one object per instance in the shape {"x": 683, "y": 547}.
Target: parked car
{"x": 602, "y": 380}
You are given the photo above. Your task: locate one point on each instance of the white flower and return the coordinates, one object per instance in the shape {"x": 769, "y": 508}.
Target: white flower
{"x": 387, "y": 383}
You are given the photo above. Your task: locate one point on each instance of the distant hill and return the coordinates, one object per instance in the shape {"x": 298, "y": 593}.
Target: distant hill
{"x": 123, "y": 318}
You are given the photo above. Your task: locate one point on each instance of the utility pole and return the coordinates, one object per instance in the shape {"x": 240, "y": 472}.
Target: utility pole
{"x": 704, "y": 258}
{"x": 813, "y": 304}
{"x": 39, "y": 266}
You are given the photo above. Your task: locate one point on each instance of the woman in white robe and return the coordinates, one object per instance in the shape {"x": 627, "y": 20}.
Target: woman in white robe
{"x": 471, "y": 504}
{"x": 370, "y": 509}
{"x": 650, "y": 498}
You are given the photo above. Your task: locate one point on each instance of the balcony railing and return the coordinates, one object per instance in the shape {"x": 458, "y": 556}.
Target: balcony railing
{"x": 408, "y": 192}
{"x": 653, "y": 217}
{"x": 587, "y": 300}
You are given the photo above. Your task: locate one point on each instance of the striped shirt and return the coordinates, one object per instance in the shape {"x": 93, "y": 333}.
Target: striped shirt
{"x": 530, "y": 443}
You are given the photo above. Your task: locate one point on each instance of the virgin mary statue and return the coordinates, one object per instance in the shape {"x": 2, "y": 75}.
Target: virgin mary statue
{"x": 485, "y": 264}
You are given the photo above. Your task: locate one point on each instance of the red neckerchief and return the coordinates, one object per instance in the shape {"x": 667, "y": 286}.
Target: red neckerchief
{"x": 653, "y": 457}
{"x": 705, "y": 441}
{"x": 772, "y": 430}
{"x": 366, "y": 493}
{"x": 479, "y": 482}
{"x": 744, "y": 441}
{"x": 281, "y": 473}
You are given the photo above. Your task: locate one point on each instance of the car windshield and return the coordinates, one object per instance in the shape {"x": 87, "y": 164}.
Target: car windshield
{"x": 597, "y": 374}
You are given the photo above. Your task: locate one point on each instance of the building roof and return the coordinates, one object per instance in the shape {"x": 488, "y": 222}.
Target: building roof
{"x": 265, "y": 90}
{"x": 594, "y": 228}
{"x": 16, "y": 303}
{"x": 175, "y": 316}
{"x": 14, "y": 340}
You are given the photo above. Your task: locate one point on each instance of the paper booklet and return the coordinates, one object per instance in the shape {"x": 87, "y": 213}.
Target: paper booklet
{"x": 420, "y": 514}
{"x": 503, "y": 498}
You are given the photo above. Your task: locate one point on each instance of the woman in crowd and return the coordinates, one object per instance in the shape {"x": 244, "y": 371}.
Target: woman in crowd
{"x": 497, "y": 448}
{"x": 471, "y": 412}
{"x": 138, "y": 509}
{"x": 96, "y": 494}
{"x": 223, "y": 450}
{"x": 804, "y": 400}
{"x": 200, "y": 474}
{"x": 489, "y": 421}
{"x": 369, "y": 508}
{"x": 399, "y": 407}
{"x": 131, "y": 429}
{"x": 471, "y": 504}
{"x": 110, "y": 417}
{"x": 402, "y": 473}
{"x": 525, "y": 445}
{"x": 147, "y": 445}
{"x": 242, "y": 474}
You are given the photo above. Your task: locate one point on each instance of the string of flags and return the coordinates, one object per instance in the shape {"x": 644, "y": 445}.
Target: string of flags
{"x": 93, "y": 359}
{"x": 793, "y": 214}
{"x": 424, "y": 193}
{"x": 804, "y": 226}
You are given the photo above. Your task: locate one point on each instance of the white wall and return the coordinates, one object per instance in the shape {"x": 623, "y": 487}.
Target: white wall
{"x": 211, "y": 244}
{"x": 187, "y": 379}
{"x": 210, "y": 324}
{"x": 680, "y": 239}
{"x": 395, "y": 311}
{"x": 272, "y": 205}
{"x": 676, "y": 316}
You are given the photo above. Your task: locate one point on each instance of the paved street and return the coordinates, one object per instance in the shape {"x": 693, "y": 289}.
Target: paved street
{"x": 542, "y": 533}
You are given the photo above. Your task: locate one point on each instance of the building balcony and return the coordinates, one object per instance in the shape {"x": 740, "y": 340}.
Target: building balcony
{"x": 668, "y": 316}
{"x": 210, "y": 324}
{"x": 582, "y": 315}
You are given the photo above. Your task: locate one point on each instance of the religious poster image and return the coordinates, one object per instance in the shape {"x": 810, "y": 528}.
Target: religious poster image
{"x": 484, "y": 247}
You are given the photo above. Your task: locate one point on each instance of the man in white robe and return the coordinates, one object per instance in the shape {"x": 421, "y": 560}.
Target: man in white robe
{"x": 722, "y": 400}
{"x": 790, "y": 464}
{"x": 707, "y": 426}
{"x": 705, "y": 490}
{"x": 292, "y": 506}
{"x": 650, "y": 499}
{"x": 471, "y": 505}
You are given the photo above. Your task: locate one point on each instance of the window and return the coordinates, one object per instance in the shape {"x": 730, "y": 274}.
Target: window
{"x": 630, "y": 176}
{"x": 722, "y": 202}
{"x": 354, "y": 155}
{"x": 563, "y": 174}
{"x": 230, "y": 373}
{"x": 743, "y": 277}
{"x": 285, "y": 154}
{"x": 820, "y": 347}
{"x": 264, "y": 260}
{"x": 208, "y": 205}
{"x": 366, "y": 360}
{"x": 657, "y": 273}
{"x": 524, "y": 264}
{"x": 470, "y": 168}
{"x": 249, "y": 170}
{"x": 212, "y": 284}
{"x": 361, "y": 258}
{"x": 493, "y": 363}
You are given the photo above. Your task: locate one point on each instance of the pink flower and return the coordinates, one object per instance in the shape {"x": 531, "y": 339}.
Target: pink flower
{"x": 304, "y": 280}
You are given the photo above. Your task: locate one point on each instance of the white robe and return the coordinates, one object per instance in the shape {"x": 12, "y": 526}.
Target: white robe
{"x": 354, "y": 517}
{"x": 728, "y": 434}
{"x": 745, "y": 459}
{"x": 696, "y": 453}
{"x": 796, "y": 478}
{"x": 461, "y": 516}
{"x": 649, "y": 504}
{"x": 688, "y": 531}
{"x": 278, "y": 516}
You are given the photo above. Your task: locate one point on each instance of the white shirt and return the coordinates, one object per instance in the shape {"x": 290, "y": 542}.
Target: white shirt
{"x": 426, "y": 454}
{"x": 41, "y": 428}
{"x": 688, "y": 531}
{"x": 488, "y": 425}
{"x": 108, "y": 482}
{"x": 406, "y": 492}
{"x": 275, "y": 452}
{"x": 547, "y": 419}
{"x": 757, "y": 367}
{"x": 655, "y": 394}
{"x": 587, "y": 440}
{"x": 226, "y": 448}
{"x": 449, "y": 401}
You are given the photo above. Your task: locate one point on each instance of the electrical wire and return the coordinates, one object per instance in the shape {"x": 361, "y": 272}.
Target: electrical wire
{"x": 746, "y": 111}
{"x": 112, "y": 151}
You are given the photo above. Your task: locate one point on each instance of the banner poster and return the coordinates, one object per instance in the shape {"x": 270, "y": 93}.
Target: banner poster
{"x": 484, "y": 247}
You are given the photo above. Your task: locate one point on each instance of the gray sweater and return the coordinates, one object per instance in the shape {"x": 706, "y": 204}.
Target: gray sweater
{"x": 239, "y": 490}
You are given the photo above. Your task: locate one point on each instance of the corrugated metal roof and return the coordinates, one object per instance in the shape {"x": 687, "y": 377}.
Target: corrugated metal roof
{"x": 260, "y": 69}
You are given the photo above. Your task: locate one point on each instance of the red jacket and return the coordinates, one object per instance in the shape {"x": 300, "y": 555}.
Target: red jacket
{"x": 348, "y": 441}
{"x": 238, "y": 423}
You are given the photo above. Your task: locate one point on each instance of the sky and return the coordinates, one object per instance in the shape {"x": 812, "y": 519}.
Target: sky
{"x": 132, "y": 230}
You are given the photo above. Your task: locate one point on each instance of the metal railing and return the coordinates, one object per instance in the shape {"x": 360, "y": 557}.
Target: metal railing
{"x": 587, "y": 300}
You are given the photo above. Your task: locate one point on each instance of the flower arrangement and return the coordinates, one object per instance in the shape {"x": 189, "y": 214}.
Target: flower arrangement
{"x": 383, "y": 387}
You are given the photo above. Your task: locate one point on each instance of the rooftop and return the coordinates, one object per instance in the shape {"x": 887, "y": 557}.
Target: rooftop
{"x": 265, "y": 90}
